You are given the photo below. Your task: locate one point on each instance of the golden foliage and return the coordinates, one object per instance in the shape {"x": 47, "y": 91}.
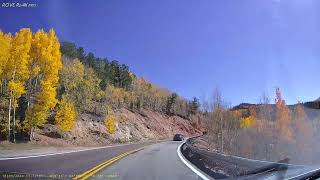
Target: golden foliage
{"x": 45, "y": 101}
{"x": 248, "y": 121}
{"x": 66, "y": 115}
{"x": 110, "y": 121}
{"x": 81, "y": 83}
{"x": 283, "y": 123}
{"x": 5, "y": 48}
{"x": 115, "y": 96}
{"x": 16, "y": 89}
{"x": 303, "y": 130}
{"x": 44, "y": 66}
{"x": 149, "y": 95}
{"x": 36, "y": 116}
{"x": 72, "y": 74}
{"x": 46, "y": 51}
{"x": 17, "y": 66}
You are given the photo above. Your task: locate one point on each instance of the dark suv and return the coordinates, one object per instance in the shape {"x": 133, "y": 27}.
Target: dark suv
{"x": 178, "y": 137}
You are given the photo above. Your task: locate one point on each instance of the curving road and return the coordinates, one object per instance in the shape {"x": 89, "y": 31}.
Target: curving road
{"x": 158, "y": 161}
{"x": 60, "y": 166}
{"x": 154, "y": 161}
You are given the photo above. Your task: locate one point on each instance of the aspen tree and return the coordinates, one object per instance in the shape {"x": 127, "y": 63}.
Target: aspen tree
{"x": 283, "y": 124}
{"x": 47, "y": 55}
{"x": 5, "y": 48}
{"x": 303, "y": 130}
{"x": 17, "y": 70}
{"x": 110, "y": 121}
{"x": 66, "y": 115}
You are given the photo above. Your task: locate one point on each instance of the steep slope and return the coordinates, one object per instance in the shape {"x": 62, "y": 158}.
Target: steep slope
{"x": 132, "y": 126}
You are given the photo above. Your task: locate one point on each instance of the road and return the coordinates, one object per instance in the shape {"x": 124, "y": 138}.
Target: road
{"x": 158, "y": 161}
{"x": 154, "y": 161}
{"x": 61, "y": 166}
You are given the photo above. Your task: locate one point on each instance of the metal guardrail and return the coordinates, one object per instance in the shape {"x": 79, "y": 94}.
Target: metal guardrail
{"x": 193, "y": 156}
{"x": 204, "y": 160}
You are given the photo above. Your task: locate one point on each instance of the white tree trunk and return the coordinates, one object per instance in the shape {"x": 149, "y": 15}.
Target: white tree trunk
{"x": 31, "y": 134}
{"x": 14, "y": 124}
{"x": 221, "y": 127}
{"x": 9, "y": 118}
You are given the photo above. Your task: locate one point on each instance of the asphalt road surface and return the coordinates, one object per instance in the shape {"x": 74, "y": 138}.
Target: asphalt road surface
{"x": 61, "y": 166}
{"x": 158, "y": 161}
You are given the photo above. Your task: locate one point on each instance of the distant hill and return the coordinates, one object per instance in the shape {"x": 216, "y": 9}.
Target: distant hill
{"x": 243, "y": 106}
{"x": 312, "y": 108}
{"x": 313, "y": 104}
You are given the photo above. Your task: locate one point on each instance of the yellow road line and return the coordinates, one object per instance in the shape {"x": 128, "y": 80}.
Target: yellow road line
{"x": 97, "y": 168}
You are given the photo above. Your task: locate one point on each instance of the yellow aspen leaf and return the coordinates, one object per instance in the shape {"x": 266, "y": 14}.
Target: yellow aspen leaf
{"x": 17, "y": 88}
{"x": 247, "y": 122}
{"x": 5, "y": 48}
{"x": 66, "y": 115}
{"x": 110, "y": 121}
{"x": 46, "y": 64}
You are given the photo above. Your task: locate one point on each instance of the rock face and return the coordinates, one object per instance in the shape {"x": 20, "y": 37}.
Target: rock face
{"x": 131, "y": 127}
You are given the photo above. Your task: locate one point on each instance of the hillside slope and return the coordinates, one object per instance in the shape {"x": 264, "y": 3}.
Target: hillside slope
{"x": 132, "y": 126}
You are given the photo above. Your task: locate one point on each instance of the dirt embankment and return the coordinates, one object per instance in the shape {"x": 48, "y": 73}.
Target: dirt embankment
{"x": 131, "y": 127}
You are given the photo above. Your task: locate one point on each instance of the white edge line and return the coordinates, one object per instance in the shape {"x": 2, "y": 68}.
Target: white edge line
{"x": 52, "y": 154}
{"x": 190, "y": 166}
{"x": 67, "y": 152}
{"x": 255, "y": 160}
{"x": 303, "y": 174}
{"x": 195, "y": 170}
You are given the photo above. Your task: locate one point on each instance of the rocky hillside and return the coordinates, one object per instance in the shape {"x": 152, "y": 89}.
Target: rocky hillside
{"x": 131, "y": 127}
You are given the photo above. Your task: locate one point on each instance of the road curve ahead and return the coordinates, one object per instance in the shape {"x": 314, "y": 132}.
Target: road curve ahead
{"x": 158, "y": 161}
{"x": 61, "y": 166}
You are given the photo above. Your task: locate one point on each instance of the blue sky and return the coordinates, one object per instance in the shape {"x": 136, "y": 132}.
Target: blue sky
{"x": 243, "y": 47}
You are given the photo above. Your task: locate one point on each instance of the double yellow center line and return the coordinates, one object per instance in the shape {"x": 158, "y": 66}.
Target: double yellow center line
{"x": 97, "y": 168}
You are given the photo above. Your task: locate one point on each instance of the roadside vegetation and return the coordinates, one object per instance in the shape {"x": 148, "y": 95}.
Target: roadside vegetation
{"x": 45, "y": 82}
{"x": 263, "y": 131}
